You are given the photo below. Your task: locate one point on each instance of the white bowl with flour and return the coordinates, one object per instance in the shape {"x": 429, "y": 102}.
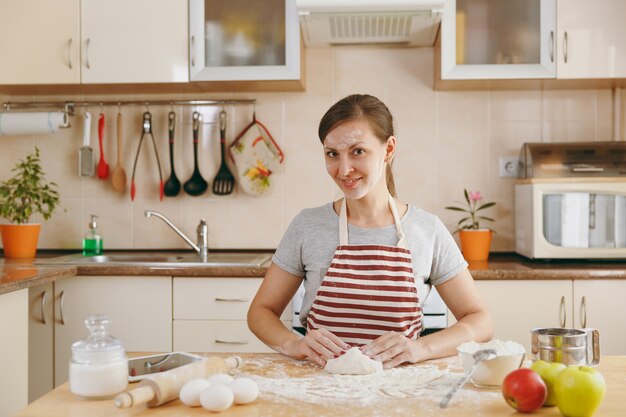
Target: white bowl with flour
{"x": 491, "y": 372}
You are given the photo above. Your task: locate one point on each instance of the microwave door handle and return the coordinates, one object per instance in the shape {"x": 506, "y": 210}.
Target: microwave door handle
{"x": 587, "y": 169}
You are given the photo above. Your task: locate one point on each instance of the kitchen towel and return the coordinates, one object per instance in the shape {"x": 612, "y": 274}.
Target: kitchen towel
{"x": 620, "y": 221}
{"x": 575, "y": 220}
{"x": 28, "y": 123}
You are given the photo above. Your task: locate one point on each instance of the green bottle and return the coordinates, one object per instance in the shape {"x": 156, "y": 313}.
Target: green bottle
{"x": 92, "y": 242}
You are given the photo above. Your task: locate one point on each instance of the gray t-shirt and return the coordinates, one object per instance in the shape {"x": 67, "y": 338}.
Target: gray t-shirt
{"x": 308, "y": 246}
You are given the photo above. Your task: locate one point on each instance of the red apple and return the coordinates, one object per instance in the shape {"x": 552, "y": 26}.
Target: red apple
{"x": 524, "y": 390}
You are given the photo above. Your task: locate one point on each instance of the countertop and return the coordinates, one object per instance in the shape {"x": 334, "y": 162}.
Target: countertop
{"x": 17, "y": 274}
{"x": 296, "y": 388}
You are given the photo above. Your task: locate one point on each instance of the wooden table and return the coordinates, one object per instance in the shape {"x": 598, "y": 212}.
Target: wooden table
{"x": 61, "y": 402}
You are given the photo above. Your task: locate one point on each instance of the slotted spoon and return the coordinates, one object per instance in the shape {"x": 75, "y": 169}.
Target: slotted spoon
{"x": 224, "y": 181}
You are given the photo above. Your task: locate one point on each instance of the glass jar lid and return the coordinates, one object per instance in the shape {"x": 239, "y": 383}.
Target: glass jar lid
{"x": 99, "y": 346}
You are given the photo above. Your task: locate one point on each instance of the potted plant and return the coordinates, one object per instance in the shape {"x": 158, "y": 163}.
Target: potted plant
{"x": 475, "y": 241}
{"x": 21, "y": 196}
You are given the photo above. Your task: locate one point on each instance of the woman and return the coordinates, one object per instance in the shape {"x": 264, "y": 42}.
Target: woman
{"x": 365, "y": 259}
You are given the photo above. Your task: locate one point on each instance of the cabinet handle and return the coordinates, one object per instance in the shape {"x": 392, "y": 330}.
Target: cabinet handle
{"x": 583, "y": 312}
{"x": 563, "y": 312}
{"x": 43, "y": 307}
{"x": 61, "y": 302}
{"x": 193, "y": 51}
{"x": 551, "y": 46}
{"x": 69, "y": 53}
{"x": 87, "y": 42}
{"x": 565, "y": 47}
{"x": 231, "y": 300}
{"x": 231, "y": 342}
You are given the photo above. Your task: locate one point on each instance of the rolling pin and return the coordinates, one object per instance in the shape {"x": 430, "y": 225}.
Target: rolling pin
{"x": 158, "y": 389}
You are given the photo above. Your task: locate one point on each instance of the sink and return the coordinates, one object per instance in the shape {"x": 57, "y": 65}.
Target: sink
{"x": 162, "y": 259}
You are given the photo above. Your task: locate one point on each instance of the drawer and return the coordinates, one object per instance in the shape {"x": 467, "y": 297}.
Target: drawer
{"x": 216, "y": 298}
{"x": 217, "y": 336}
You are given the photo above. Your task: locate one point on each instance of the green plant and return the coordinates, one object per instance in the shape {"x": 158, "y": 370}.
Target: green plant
{"x": 472, "y": 219}
{"x": 27, "y": 192}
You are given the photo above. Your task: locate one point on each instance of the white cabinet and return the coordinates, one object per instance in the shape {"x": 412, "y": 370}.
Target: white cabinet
{"x": 599, "y": 304}
{"x": 210, "y": 315}
{"x": 40, "y": 340}
{"x": 243, "y": 40}
{"x": 40, "y": 42}
{"x": 591, "y": 39}
{"x": 14, "y": 352}
{"x": 139, "y": 308}
{"x": 519, "y": 306}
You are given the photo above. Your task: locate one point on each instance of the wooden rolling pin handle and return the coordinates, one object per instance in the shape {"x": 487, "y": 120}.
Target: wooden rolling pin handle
{"x": 140, "y": 395}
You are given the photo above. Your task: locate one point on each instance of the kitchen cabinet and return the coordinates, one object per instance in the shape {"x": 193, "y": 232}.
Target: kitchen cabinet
{"x": 14, "y": 352}
{"x": 40, "y": 42}
{"x": 40, "y": 340}
{"x": 521, "y": 39}
{"x": 140, "y": 309}
{"x": 519, "y": 306}
{"x": 93, "y": 42}
{"x": 243, "y": 40}
{"x": 210, "y": 315}
{"x": 599, "y": 304}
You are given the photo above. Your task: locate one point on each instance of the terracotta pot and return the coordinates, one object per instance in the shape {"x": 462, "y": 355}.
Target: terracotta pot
{"x": 20, "y": 240}
{"x": 475, "y": 244}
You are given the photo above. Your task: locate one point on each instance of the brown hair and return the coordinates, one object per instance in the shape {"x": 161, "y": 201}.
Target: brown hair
{"x": 356, "y": 107}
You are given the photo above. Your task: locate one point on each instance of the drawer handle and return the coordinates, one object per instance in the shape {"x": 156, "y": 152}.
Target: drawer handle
{"x": 61, "y": 304}
{"x": 583, "y": 312}
{"x": 231, "y": 342}
{"x": 43, "y": 307}
{"x": 231, "y": 300}
{"x": 562, "y": 312}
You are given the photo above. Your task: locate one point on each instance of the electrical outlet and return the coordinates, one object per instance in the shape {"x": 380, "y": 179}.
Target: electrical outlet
{"x": 508, "y": 166}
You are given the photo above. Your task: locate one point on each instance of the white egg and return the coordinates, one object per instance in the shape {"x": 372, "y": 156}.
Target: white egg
{"x": 245, "y": 390}
{"x": 217, "y": 398}
{"x": 190, "y": 392}
{"x": 220, "y": 379}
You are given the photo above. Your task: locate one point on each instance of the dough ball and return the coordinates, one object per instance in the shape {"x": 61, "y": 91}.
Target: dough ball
{"x": 190, "y": 392}
{"x": 217, "y": 398}
{"x": 220, "y": 379}
{"x": 245, "y": 390}
{"x": 353, "y": 362}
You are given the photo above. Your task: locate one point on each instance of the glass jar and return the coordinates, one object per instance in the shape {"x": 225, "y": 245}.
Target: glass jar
{"x": 99, "y": 366}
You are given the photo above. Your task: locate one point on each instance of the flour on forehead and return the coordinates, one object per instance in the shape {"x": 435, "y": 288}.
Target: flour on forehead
{"x": 345, "y": 141}
{"x": 353, "y": 362}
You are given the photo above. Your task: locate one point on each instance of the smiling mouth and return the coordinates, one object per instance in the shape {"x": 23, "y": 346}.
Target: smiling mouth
{"x": 350, "y": 182}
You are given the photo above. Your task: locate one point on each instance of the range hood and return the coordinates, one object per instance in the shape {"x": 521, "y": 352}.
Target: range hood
{"x": 336, "y": 22}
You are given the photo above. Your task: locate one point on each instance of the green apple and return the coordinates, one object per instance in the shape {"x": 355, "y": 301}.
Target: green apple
{"x": 548, "y": 372}
{"x": 579, "y": 391}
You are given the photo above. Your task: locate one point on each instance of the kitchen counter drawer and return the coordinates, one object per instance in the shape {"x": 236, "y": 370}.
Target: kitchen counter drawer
{"x": 216, "y": 298}
{"x": 217, "y": 336}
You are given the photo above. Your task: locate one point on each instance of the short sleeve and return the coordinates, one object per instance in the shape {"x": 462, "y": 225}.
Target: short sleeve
{"x": 447, "y": 258}
{"x": 288, "y": 255}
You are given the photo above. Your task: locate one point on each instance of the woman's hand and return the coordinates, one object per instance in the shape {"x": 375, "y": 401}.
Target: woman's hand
{"x": 318, "y": 346}
{"x": 393, "y": 349}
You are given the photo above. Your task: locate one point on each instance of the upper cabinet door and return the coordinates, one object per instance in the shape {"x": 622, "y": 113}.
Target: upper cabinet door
{"x": 591, "y": 41}
{"x": 134, "y": 41}
{"x": 243, "y": 40}
{"x": 495, "y": 39}
{"x": 39, "y": 42}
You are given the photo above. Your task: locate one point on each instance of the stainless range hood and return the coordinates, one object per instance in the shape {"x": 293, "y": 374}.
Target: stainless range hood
{"x": 336, "y": 22}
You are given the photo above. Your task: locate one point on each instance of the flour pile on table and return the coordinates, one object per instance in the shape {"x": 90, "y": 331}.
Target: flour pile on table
{"x": 422, "y": 382}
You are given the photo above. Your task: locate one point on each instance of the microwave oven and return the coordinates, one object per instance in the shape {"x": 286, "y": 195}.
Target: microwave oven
{"x": 571, "y": 220}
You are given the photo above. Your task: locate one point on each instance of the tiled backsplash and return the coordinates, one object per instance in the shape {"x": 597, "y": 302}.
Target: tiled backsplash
{"x": 447, "y": 141}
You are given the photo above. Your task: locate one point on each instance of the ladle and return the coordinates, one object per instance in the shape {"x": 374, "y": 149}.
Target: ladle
{"x": 479, "y": 356}
{"x": 172, "y": 185}
{"x": 195, "y": 185}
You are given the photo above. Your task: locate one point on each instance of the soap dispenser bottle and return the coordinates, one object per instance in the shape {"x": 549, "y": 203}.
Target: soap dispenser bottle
{"x": 92, "y": 242}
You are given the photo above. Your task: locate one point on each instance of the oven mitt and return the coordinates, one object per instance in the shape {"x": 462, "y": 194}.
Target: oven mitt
{"x": 256, "y": 157}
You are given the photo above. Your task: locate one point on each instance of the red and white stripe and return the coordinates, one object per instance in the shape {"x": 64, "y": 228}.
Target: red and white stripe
{"x": 369, "y": 290}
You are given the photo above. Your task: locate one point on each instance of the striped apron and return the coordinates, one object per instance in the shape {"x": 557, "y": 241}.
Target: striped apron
{"x": 368, "y": 290}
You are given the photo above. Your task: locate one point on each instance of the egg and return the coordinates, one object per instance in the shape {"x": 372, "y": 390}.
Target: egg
{"x": 217, "y": 398}
{"x": 220, "y": 379}
{"x": 245, "y": 390}
{"x": 190, "y": 392}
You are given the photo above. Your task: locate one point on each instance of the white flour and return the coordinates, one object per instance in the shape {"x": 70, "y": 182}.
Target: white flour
{"x": 423, "y": 383}
{"x": 502, "y": 348}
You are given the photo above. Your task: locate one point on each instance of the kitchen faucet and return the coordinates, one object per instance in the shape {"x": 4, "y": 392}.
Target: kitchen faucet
{"x": 202, "y": 248}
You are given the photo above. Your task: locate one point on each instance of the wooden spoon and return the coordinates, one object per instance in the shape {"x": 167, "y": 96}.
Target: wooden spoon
{"x": 118, "y": 176}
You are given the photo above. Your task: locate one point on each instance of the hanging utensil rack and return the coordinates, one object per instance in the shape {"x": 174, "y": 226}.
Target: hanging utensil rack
{"x": 70, "y": 106}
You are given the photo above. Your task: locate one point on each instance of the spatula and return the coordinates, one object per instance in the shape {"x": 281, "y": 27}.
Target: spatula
{"x": 85, "y": 154}
{"x": 103, "y": 167}
{"x": 224, "y": 181}
{"x": 118, "y": 176}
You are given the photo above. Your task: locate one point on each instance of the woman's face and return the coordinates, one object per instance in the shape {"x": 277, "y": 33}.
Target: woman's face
{"x": 355, "y": 158}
